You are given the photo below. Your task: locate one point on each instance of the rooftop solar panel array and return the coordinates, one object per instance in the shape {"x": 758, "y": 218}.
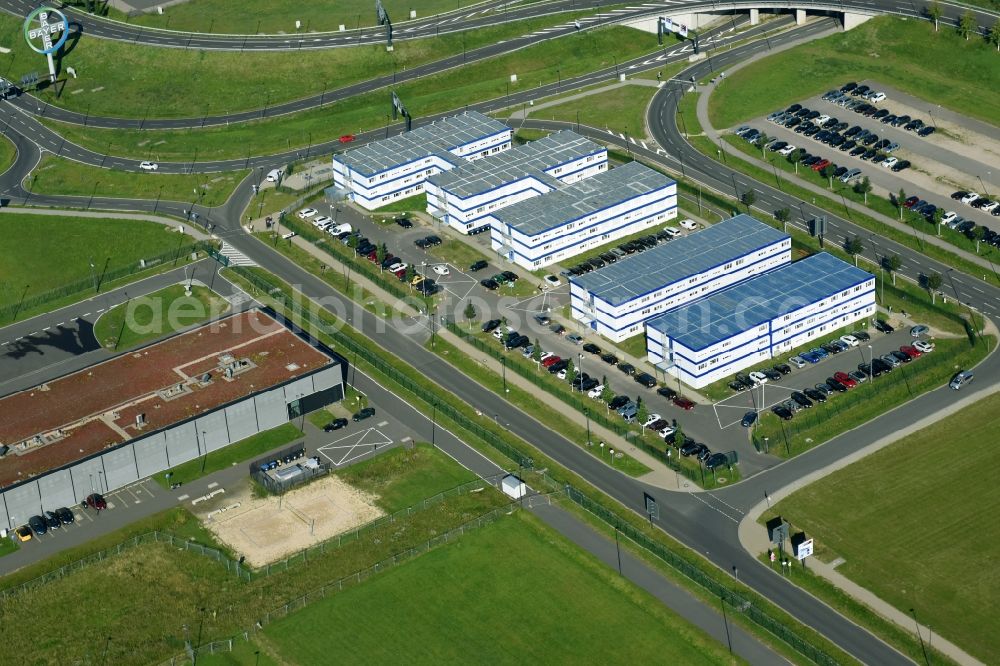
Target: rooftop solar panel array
{"x": 606, "y": 189}
{"x": 642, "y": 273}
{"x": 438, "y": 138}
{"x": 719, "y": 316}
{"x": 512, "y": 165}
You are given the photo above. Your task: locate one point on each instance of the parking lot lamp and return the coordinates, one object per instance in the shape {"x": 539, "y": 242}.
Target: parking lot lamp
{"x": 93, "y": 275}
{"x": 871, "y": 359}
{"x": 767, "y": 449}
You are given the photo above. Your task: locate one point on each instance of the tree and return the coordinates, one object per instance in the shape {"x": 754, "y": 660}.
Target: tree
{"x": 994, "y": 35}
{"x": 863, "y": 186}
{"x": 641, "y": 415}
{"x": 607, "y": 395}
{"x": 795, "y": 155}
{"x": 536, "y": 353}
{"x": 933, "y": 283}
{"x": 381, "y": 253}
{"x": 893, "y": 264}
{"x": 938, "y": 216}
{"x": 410, "y": 274}
{"x": 967, "y": 24}
{"x": 782, "y": 214}
{"x": 762, "y": 141}
{"x": 570, "y": 372}
{"x": 827, "y": 171}
{"x": 748, "y": 198}
{"x": 352, "y": 241}
{"x": 935, "y": 12}
{"x": 678, "y": 439}
{"x": 854, "y": 246}
{"x": 900, "y": 199}
{"x": 470, "y": 313}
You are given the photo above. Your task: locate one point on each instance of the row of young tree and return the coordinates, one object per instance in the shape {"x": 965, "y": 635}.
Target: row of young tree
{"x": 967, "y": 25}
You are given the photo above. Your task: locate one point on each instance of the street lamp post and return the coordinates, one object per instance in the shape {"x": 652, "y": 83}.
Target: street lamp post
{"x": 503, "y": 363}
{"x": 93, "y": 275}
{"x": 919, "y": 636}
{"x": 586, "y": 412}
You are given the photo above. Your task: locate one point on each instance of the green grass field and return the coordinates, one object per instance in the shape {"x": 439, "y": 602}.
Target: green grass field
{"x": 8, "y": 545}
{"x": 547, "y": 602}
{"x": 71, "y": 244}
{"x": 279, "y": 16}
{"x": 402, "y": 477}
{"x": 943, "y": 67}
{"x": 458, "y": 254}
{"x": 622, "y": 109}
{"x": 190, "y": 83}
{"x": 148, "y": 317}
{"x": 416, "y": 202}
{"x": 157, "y": 590}
{"x": 906, "y": 516}
{"x": 535, "y": 65}
{"x": 7, "y": 153}
{"x": 243, "y": 451}
{"x": 55, "y": 175}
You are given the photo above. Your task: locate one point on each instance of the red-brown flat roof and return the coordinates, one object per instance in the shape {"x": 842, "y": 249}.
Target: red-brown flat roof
{"x": 96, "y": 407}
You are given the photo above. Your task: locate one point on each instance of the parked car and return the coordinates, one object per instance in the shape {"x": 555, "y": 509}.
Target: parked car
{"x": 591, "y": 348}
{"x": 645, "y": 379}
{"x": 845, "y": 379}
{"x": 797, "y": 362}
{"x": 618, "y": 402}
{"x": 749, "y": 419}
{"x": 924, "y": 346}
{"x": 883, "y": 326}
{"x": 65, "y": 515}
{"x": 23, "y": 533}
{"x": 38, "y": 525}
{"x": 667, "y": 393}
{"x": 684, "y": 403}
{"x": 801, "y": 399}
{"x": 365, "y": 413}
{"x": 95, "y": 501}
{"x": 782, "y": 412}
{"x": 478, "y": 266}
{"x": 335, "y": 424}
{"x": 814, "y": 395}
{"x": 609, "y": 358}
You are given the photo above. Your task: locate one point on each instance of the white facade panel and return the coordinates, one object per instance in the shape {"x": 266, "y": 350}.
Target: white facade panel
{"x": 22, "y": 503}
{"x": 241, "y": 420}
{"x": 119, "y": 468}
{"x": 56, "y": 491}
{"x": 151, "y": 454}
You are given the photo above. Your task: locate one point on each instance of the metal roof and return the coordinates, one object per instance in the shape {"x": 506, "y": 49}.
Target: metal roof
{"x": 642, "y": 273}
{"x": 519, "y": 162}
{"x": 606, "y": 189}
{"x": 440, "y": 137}
{"x": 758, "y": 300}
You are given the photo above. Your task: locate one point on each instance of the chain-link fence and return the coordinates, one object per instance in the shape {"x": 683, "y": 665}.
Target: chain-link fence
{"x": 386, "y": 367}
{"x": 732, "y": 600}
{"x": 341, "y": 584}
{"x": 8, "y": 312}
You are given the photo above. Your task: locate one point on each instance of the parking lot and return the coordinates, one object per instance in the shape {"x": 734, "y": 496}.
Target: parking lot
{"x": 940, "y": 163}
{"x": 730, "y": 412}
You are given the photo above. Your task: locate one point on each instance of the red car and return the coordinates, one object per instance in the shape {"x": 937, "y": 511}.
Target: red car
{"x": 551, "y": 360}
{"x": 347, "y": 138}
{"x": 909, "y": 203}
{"x": 845, "y": 379}
{"x": 96, "y": 501}
{"x": 683, "y": 403}
{"x": 911, "y": 351}
{"x": 819, "y": 165}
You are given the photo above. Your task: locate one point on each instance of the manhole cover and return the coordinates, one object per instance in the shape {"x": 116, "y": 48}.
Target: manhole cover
{"x": 721, "y": 479}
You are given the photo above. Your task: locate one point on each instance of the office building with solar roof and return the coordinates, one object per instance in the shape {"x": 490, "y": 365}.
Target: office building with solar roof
{"x": 558, "y": 225}
{"x": 758, "y": 319}
{"x": 616, "y": 300}
{"x": 384, "y": 171}
{"x": 466, "y": 197}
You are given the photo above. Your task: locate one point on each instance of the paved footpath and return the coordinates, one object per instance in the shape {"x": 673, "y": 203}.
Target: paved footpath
{"x": 753, "y": 536}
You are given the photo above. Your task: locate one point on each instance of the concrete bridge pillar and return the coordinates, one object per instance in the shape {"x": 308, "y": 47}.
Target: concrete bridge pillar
{"x": 754, "y": 16}
{"x": 852, "y": 20}
{"x": 800, "y": 16}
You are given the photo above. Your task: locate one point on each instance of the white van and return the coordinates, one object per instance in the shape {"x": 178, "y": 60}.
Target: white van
{"x": 339, "y": 229}
{"x": 274, "y": 175}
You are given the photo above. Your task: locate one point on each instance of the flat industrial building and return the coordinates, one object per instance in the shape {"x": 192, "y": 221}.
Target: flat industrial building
{"x": 760, "y": 318}
{"x": 465, "y": 197}
{"x": 563, "y": 223}
{"x": 146, "y": 411}
{"x": 616, "y": 300}
{"x": 381, "y": 172}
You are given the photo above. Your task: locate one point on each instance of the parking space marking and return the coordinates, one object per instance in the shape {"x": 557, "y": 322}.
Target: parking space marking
{"x": 763, "y": 404}
{"x": 347, "y": 449}
{"x": 183, "y": 497}
{"x": 213, "y": 485}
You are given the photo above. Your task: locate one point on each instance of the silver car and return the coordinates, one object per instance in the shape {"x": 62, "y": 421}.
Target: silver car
{"x": 961, "y": 379}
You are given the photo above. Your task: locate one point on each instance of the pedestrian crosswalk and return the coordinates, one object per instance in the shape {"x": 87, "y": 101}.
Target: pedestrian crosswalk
{"x": 235, "y": 257}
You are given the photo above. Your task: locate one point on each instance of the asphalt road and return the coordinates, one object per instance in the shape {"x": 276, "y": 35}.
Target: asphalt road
{"x": 704, "y": 521}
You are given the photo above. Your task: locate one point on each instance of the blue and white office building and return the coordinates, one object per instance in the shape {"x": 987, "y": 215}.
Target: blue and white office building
{"x": 381, "y": 172}
{"x": 575, "y": 218}
{"x": 466, "y": 197}
{"x": 731, "y": 330}
{"x": 616, "y": 300}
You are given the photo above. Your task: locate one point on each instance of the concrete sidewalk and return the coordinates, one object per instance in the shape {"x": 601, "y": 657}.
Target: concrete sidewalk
{"x": 753, "y": 535}
{"x": 189, "y": 229}
{"x": 661, "y": 476}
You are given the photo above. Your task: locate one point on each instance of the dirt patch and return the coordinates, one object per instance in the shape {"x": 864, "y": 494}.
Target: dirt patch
{"x": 270, "y": 528}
